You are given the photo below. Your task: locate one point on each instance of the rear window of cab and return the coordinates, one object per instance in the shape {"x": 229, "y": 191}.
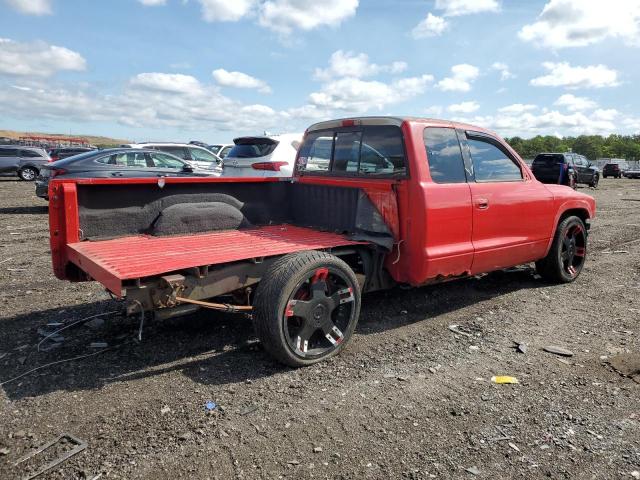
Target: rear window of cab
{"x": 368, "y": 150}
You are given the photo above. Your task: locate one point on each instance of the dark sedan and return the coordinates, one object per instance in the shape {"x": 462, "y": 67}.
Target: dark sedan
{"x": 114, "y": 163}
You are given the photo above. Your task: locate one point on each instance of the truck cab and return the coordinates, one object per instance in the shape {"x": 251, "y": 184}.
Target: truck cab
{"x": 373, "y": 202}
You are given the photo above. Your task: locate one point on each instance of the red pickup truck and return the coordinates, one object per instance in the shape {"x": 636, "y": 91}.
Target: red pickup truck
{"x": 374, "y": 202}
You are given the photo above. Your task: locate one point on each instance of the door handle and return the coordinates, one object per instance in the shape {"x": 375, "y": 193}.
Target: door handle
{"x": 482, "y": 203}
{"x": 116, "y": 174}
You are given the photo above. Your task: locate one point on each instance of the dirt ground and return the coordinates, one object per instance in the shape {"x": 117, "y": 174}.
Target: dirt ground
{"x": 409, "y": 398}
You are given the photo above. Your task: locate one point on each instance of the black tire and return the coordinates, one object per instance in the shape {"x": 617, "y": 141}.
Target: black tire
{"x": 567, "y": 254}
{"x": 281, "y": 329}
{"x": 28, "y": 174}
{"x": 594, "y": 181}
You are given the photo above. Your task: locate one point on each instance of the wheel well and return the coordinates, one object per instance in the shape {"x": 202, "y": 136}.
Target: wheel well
{"x": 581, "y": 213}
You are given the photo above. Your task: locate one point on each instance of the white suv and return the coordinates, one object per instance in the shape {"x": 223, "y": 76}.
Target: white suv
{"x": 199, "y": 158}
{"x": 267, "y": 156}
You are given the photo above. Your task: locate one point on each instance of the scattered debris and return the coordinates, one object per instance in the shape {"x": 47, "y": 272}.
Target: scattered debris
{"x": 4, "y": 451}
{"x": 21, "y": 360}
{"x": 164, "y": 410}
{"x": 627, "y": 365}
{"x": 80, "y": 445}
{"x": 317, "y": 449}
{"x": 504, "y": 379}
{"x": 563, "y": 352}
{"x": 249, "y": 409}
{"x": 456, "y": 329}
{"x": 472, "y": 470}
{"x": 210, "y": 405}
{"x": 514, "y": 446}
{"x": 635, "y": 474}
{"x": 293, "y": 462}
{"x": 520, "y": 346}
{"x": 185, "y": 436}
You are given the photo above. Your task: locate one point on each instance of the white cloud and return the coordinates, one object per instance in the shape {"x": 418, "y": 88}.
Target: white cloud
{"x": 460, "y": 81}
{"x": 435, "y": 110}
{"x": 284, "y": 16}
{"x": 564, "y": 75}
{"x": 225, "y": 10}
{"x": 575, "y": 104}
{"x": 503, "y": 68}
{"x": 358, "y": 96}
{"x": 453, "y": 8}
{"x": 431, "y": 26}
{"x": 578, "y": 23}
{"x": 239, "y": 80}
{"x": 37, "y": 59}
{"x": 349, "y": 64}
{"x": 517, "y": 108}
{"x": 152, "y": 3}
{"x": 167, "y": 82}
{"x": 464, "y": 107}
{"x": 31, "y": 7}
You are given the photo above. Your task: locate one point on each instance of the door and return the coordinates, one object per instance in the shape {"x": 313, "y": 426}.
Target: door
{"x": 9, "y": 159}
{"x": 449, "y": 216}
{"x": 513, "y": 213}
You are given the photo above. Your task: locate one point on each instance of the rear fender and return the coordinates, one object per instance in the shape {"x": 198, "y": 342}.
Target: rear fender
{"x": 576, "y": 205}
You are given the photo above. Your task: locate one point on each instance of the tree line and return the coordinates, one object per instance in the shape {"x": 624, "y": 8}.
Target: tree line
{"x": 591, "y": 146}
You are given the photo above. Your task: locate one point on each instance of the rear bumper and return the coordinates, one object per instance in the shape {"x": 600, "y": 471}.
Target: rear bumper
{"x": 42, "y": 189}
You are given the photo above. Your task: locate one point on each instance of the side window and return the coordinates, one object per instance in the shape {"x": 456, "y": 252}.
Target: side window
{"x": 346, "y": 153}
{"x": 128, "y": 159}
{"x": 382, "y": 151}
{"x": 225, "y": 151}
{"x": 29, "y": 154}
{"x": 491, "y": 164}
{"x": 177, "y": 151}
{"x": 161, "y": 160}
{"x": 8, "y": 152}
{"x": 444, "y": 155}
{"x": 202, "y": 155}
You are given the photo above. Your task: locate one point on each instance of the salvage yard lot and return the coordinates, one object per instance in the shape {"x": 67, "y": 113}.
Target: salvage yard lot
{"x": 409, "y": 397}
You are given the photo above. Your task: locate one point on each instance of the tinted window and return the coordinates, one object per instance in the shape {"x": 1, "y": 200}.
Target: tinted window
{"x": 369, "y": 150}
{"x": 491, "y": 164}
{"x": 177, "y": 151}
{"x": 444, "y": 155}
{"x": 548, "y": 160}
{"x": 201, "y": 155}
{"x": 214, "y": 148}
{"x": 224, "y": 152}
{"x": 30, "y": 154}
{"x": 8, "y": 152}
{"x": 165, "y": 161}
{"x": 252, "y": 149}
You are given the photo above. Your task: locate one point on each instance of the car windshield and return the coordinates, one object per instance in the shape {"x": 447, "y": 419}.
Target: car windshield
{"x": 252, "y": 149}
{"x": 215, "y": 148}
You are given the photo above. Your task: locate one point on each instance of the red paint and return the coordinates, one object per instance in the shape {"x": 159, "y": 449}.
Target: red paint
{"x": 112, "y": 261}
{"x": 440, "y": 231}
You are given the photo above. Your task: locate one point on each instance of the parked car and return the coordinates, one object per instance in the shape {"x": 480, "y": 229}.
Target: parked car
{"x": 26, "y": 162}
{"x": 612, "y": 170}
{"x": 267, "y": 156}
{"x": 632, "y": 173}
{"x": 200, "y": 158}
{"x": 66, "y": 152}
{"x": 114, "y": 163}
{"x": 450, "y": 201}
{"x": 565, "y": 169}
{"x": 221, "y": 150}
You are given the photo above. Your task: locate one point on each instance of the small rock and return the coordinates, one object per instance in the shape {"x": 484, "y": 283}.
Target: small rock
{"x": 432, "y": 370}
{"x": 403, "y": 379}
{"x": 20, "y": 434}
{"x": 635, "y": 474}
{"x": 317, "y": 449}
{"x": 563, "y": 352}
{"x": 514, "y": 446}
{"x": 4, "y": 451}
{"x": 164, "y": 410}
{"x": 185, "y": 436}
{"x": 472, "y": 470}
{"x": 293, "y": 462}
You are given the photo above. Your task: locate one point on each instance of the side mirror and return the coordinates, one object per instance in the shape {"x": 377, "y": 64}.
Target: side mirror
{"x": 187, "y": 169}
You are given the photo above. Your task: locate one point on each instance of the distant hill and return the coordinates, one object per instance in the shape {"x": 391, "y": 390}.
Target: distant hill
{"x": 92, "y": 139}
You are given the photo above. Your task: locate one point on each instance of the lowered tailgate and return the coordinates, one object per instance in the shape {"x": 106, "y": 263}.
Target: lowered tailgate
{"x": 111, "y": 262}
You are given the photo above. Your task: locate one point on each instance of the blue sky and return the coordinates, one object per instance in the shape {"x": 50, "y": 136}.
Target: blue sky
{"x": 215, "y": 69}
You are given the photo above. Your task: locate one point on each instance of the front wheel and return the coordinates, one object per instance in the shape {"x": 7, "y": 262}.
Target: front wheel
{"x": 28, "y": 174}
{"x": 568, "y": 252}
{"x": 306, "y": 307}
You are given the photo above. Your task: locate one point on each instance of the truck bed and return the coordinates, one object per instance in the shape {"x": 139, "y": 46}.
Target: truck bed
{"x": 128, "y": 258}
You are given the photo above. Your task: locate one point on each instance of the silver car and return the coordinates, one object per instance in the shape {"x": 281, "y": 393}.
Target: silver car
{"x": 26, "y": 162}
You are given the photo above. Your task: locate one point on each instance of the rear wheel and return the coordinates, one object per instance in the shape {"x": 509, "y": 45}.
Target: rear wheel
{"x": 568, "y": 252}
{"x": 28, "y": 174}
{"x": 594, "y": 181}
{"x": 306, "y": 307}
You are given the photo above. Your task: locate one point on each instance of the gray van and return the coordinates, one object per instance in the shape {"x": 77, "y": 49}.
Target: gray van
{"x": 23, "y": 161}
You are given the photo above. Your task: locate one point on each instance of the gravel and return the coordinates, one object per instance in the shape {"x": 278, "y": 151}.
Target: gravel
{"x": 408, "y": 398}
